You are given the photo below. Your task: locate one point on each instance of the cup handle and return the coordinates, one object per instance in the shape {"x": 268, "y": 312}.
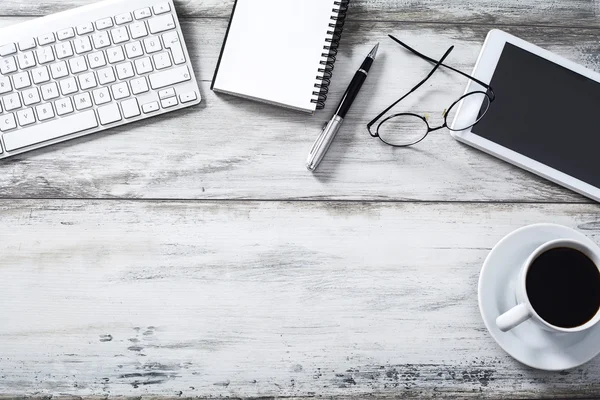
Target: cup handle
{"x": 513, "y": 317}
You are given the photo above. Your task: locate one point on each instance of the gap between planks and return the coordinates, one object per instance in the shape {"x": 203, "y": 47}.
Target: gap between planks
{"x": 295, "y": 200}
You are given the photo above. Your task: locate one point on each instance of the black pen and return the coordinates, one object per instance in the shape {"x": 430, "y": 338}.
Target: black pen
{"x": 333, "y": 126}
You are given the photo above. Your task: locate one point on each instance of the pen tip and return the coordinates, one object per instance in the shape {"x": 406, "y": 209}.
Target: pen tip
{"x": 373, "y": 52}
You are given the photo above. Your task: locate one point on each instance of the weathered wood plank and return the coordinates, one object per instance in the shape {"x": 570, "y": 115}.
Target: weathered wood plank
{"x": 581, "y": 13}
{"x": 260, "y": 299}
{"x": 233, "y": 148}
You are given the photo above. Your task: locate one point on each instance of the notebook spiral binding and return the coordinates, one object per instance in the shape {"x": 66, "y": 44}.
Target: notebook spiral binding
{"x": 328, "y": 61}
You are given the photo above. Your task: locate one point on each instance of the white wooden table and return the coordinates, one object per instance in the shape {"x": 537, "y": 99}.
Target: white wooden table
{"x": 193, "y": 255}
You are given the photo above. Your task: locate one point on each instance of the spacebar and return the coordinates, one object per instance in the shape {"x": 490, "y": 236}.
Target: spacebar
{"x": 50, "y": 130}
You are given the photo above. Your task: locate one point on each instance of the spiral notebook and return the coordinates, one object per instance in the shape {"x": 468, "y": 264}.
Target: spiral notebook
{"x": 281, "y": 51}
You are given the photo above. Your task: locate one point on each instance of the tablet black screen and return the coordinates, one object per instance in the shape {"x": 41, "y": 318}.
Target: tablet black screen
{"x": 545, "y": 112}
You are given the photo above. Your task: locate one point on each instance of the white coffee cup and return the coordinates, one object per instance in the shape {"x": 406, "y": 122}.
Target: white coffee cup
{"x": 524, "y": 310}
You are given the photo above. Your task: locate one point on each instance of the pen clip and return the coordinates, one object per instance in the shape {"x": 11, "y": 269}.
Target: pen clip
{"x": 318, "y": 142}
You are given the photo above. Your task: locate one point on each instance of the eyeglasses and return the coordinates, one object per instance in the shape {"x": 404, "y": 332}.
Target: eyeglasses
{"x": 407, "y": 129}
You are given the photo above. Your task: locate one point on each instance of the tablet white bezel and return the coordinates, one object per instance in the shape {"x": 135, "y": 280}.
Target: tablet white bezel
{"x": 484, "y": 70}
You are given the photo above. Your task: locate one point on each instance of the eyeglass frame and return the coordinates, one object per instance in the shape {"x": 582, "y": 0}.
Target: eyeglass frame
{"x": 439, "y": 63}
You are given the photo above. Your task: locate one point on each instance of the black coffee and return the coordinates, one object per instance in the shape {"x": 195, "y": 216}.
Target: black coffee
{"x": 563, "y": 286}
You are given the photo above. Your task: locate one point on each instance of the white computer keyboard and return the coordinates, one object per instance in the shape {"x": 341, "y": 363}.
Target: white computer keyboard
{"x": 89, "y": 69}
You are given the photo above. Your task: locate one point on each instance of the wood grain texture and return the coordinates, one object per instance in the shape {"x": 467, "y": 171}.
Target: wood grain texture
{"x": 298, "y": 299}
{"x": 237, "y": 149}
{"x": 245, "y": 299}
{"x": 579, "y": 13}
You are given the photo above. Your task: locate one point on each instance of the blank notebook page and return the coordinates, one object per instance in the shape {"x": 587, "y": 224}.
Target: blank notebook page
{"x": 273, "y": 51}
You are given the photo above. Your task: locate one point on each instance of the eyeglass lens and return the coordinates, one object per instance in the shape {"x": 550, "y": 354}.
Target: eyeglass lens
{"x": 403, "y": 129}
{"x": 475, "y": 103}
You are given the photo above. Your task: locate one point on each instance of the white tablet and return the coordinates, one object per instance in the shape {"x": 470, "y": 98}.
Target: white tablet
{"x": 544, "y": 117}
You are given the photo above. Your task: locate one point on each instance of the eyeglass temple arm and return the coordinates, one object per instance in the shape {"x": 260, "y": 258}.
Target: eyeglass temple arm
{"x": 485, "y": 85}
{"x": 438, "y": 63}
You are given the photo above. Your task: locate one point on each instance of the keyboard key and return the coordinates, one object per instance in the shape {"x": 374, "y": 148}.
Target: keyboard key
{"x": 26, "y": 60}
{"x": 44, "y": 112}
{"x": 11, "y": 102}
{"x": 161, "y": 24}
{"x": 82, "y": 101}
{"x": 101, "y": 96}
{"x": 119, "y": 35}
{"x": 134, "y": 49}
{"x": 152, "y": 45}
{"x": 8, "y": 65}
{"x": 101, "y": 40}
{"x": 172, "y": 42}
{"x": 46, "y": 39}
{"x": 161, "y": 8}
{"x": 40, "y": 75}
{"x": 125, "y": 70}
{"x": 123, "y": 18}
{"x": 170, "y": 102}
{"x": 63, "y": 106}
{"x": 8, "y": 49}
{"x": 31, "y": 96}
{"x": 106, "y": 75}
{"x": 51, "y": 130}
{"x": 50, "y": 91}
{"x": 5, "y": 85}
{"x": 187, "y": 97}
{"x": 150, "y": 107}
{"x": 165, "y": 94}
{"x": 130, "y": 108}
{"x": 87, "y": 81}
{"x": 169, "y": 77}
{"x": 143, "y": 65}
{"x": 26, "y": 117}
{"x": 82, "y": 44}
{"x": 63, "y": 50}
{"x": 85, "y": 28}
{"x": 77, "y": 65}
{"x": 139, "y": 85}
{"x": 27, "y": 44}
{"x": 120, "y": 91}
{"x": 142, "y": 13}
{"x": 21, "y": 80}
{"x": 104, "y": 23}
{"x": 59, "y": 70}
{"x": 109, "y": 114}
{"x": 45, "y": 55}
{"x": 138, "y": 30}
{"x": 96, "y": 60}
{"x": 162, "y": 60}
{"x": 68, "y": 86}
{"x": 115, "y": 54}
{"x": 65, "y": 34}
{"x": 7, "y": 122}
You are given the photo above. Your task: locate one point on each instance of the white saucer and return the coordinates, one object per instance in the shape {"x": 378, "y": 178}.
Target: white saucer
{"x": 528, "y": 343}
